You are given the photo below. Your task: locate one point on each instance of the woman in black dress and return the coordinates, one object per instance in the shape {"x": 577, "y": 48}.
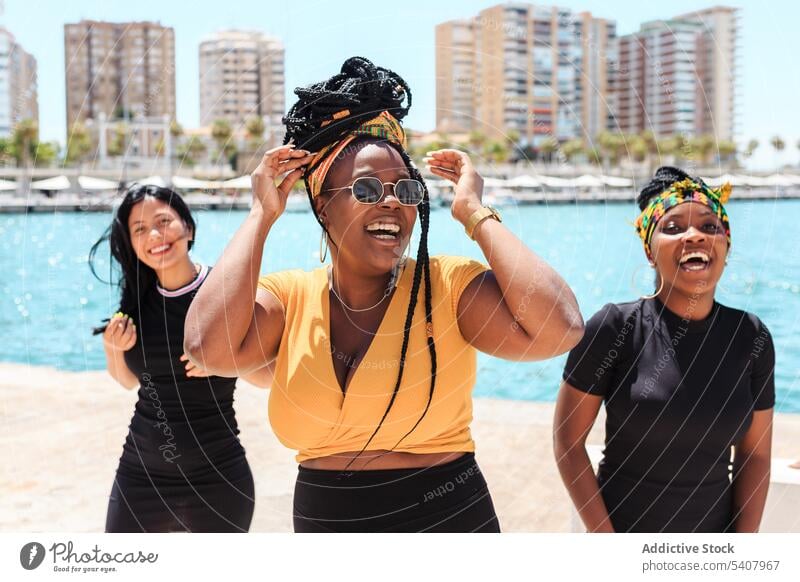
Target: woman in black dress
{"x": 684, "y": 381}
{"x": 182, "y": 467}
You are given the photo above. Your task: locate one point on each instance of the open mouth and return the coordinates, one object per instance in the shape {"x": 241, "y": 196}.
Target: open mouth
{"x": 383, "y": 230}
{"x": 159, "y": 250}
{"x": 695, "y": 261}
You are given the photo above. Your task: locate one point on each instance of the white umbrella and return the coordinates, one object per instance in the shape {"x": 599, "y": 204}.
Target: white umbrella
{"x": 152, "y": 181}
{"x": 494, "y": 182}
{"x": 616, "y": 182}
{"x": 240, "y": 183}
{"x": 90, "y": 183}
{"x": 588, "y": 181}
{"x": 745, "y": 180}
{"x": 779, "y": 180}
{"x": 7, "y": 185}
{"x": 720, "y": 180}
{"x": 554, "y": 182}
{"x": 57, "y": 183}
{"x": 186, "y": 183}
{"x": 524, "y": 181}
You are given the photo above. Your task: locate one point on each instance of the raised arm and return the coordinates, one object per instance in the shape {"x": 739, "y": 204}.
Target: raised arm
{"x": 523, "y": 309}
{"x": 575, "y": 414}
{"x": 233, "y": 328}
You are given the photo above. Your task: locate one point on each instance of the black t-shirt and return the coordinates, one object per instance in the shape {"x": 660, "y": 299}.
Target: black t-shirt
{"x": 678, "y": 394}
{"x": 181, "y": 425}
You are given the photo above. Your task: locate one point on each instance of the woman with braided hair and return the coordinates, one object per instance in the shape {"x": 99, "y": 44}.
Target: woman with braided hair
{"x": 375, "y": 354}
{"x": 684, "y": 380}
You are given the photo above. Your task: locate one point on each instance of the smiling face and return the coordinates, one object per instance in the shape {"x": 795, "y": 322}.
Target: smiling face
{"x": 159, "y": 236}
{"x": 370, "y": 237}
{"x": 689, "y": 246}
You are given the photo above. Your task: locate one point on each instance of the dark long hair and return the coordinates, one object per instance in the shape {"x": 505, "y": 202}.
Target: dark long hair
{"x": 135, "y": 278}
{"x": 366, "y": 90}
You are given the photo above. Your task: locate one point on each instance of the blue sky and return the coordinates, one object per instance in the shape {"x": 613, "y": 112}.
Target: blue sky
{"x": 320, "y": 34}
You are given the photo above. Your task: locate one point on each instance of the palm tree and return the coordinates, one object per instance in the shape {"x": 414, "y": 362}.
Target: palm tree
{"x": 777, "y": 144}
{"x": 45, "y": 153}
{"x": 191, "y": 150}
{"x": 79, "y": 143}
{"x": 611, "y": 146}
{"x": 572, "y": 149}
{"x": 254, "y": 127}
{"x": 512, "y": 141}
{"x": 637, "y": 148}
{"x": 230, "y": 151}
{"x": 440, "y": 142}
{"x": 547, "y": 147}
{"x": 700, "y": 148}
{"x": 119, "y": 143}
{"x": 497, "y": 151}
{"x": 594, "y": 155}
{"x": 7, "y": 152}
{"x": 477, "y": 141}
{"x": 221, "y": 133}
{"x": 726, "y": 150}
{"x": 670, "y": 146}
{"x": 751, "y": 148}
{"x": 175, "y": 129}
{"x": 26, "y": 134}
{"x": 651, "y": 145}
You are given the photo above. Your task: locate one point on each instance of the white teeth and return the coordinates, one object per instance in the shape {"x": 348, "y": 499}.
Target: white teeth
{"x": 703, "y": 256}
{"x": 157, "y": 250}
{"x": 694, "y": 267}
{"x": 387, "y": 226}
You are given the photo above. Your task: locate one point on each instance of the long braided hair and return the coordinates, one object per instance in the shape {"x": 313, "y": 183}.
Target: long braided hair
{"x": 366, "y": 90}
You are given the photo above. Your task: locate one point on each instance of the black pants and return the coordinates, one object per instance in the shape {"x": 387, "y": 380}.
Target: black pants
{"x": 196, "y": 505}
{"x": 452, "y": 497}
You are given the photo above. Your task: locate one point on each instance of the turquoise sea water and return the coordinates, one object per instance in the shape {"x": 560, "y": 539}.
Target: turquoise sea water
{"x": 49, "y": 299}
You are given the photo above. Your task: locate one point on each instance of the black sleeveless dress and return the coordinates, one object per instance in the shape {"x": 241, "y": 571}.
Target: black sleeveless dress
{"x": 182, "y": 466}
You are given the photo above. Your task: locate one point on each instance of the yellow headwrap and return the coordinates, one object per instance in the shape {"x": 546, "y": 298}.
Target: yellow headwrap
{"x": 384, "y": 126}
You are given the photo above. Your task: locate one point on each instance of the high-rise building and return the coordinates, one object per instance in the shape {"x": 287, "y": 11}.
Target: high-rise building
{"x": 18, "y": 92}
{"x": 678, "y": 76}
{"x": 123, "y": 70}
{"x": 455, "y": 76}
{"x": 594, "y": 97}
{"x": 242, "y": 75}
{"x": 539, "y": 71}
{"x": 717, "y": 52}
{"x": 544, "y": 71}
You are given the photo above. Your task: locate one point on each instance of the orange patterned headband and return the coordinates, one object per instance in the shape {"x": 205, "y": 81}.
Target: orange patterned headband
{"x": 384, "y": 126}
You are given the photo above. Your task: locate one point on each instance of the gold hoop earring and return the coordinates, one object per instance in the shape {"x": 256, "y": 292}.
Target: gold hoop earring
{"x": 660, "y": 288}
{"x": 323, "y": 247}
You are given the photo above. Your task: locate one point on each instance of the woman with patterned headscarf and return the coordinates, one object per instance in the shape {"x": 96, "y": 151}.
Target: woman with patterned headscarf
{"x": 686, "y": 382}
{"x": 375, "y": 354}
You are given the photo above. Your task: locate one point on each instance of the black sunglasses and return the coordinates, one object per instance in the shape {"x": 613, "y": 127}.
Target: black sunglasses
{"x": 370, "y": 190}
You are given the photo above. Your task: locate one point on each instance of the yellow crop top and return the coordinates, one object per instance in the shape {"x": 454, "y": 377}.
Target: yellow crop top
{"x": 309, "y": 412}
